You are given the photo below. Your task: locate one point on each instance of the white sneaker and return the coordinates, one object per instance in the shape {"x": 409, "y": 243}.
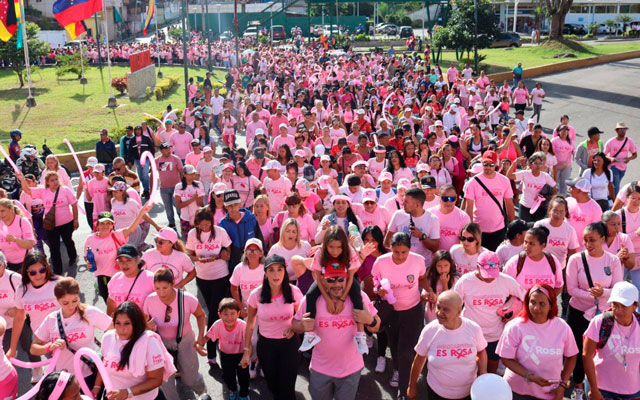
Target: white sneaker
{"x": 36, "y": 375}
{"x": 577, "y": 394}
{"x": 381, "y": 365}
{"x": 253, "y": 369}
{"x": 394, "y": 380}
{"x": 369, "y": 341}
{"x": 361, "y": 342}
{"x": 310, "y": 339}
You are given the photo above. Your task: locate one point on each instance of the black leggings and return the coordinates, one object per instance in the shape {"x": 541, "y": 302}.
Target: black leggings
{"x": 103, "y": 290}
{"x": 26, "y": 337}
{"x": 231, "y": 369}
{"x": 404, "y": 330}
{"x": 579, "y": 325}
{"x": 53, "y": 240}
{"x": 355, "y": 294}
{"x": 279, "y": 361}
{"x": 213, "y": 291}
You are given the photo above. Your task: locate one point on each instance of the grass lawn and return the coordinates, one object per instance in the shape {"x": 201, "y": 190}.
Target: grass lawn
{"x": 67, "y": 109}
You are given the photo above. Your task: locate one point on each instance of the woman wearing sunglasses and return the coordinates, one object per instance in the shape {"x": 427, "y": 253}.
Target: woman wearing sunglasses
{"x": 452, "y": 219}
{"x": 465, "y": 254}
{"x": 77, "y": 321}
{"x": 17, "y": 233}
{"x": 132, "y": 283}
{"x": 125, "y": 209}
{"x": 533, "y": 180}
{"x": 170, "y": 252}
{"x": 34, "y": 298}
{"x": 162, "y": 307}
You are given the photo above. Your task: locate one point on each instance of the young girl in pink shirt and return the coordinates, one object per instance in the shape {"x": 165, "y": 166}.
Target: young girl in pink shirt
{"x": 563, "y": 148}
{"x": 442, "y": 275}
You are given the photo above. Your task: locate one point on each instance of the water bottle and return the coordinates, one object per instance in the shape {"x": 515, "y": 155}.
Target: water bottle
{"x": 92, "y": 260}
{"x": 218, "y": 169}
{"x": 353, "y": 231}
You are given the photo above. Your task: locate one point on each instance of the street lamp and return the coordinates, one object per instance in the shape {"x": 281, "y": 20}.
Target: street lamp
{"x": 515, "y": 14}
{"x": 475, "y": 35}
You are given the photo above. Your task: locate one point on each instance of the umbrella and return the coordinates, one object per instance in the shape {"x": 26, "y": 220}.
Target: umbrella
{"x": 248, "y": 51}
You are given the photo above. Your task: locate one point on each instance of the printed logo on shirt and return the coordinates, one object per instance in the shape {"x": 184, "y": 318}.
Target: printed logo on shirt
{"x": 336, "y": 324}
{"x": 458, "y": 350}
{"x": 447, "y": 232}
{"x": 166, "y": 166}
{"x": 556, "y": 243}
{"x": 411, "y": 278}
{"x": 39, "y": 306}
{"x": 539, "y": 279}
{"x": 607, "y": 270}
{"x": 488, "y": 300}
{"x": 75, "y": 335}
{"x": 618, "y": 349}
{"x": 156, "y": 359}
{"x": 529, "y": 344}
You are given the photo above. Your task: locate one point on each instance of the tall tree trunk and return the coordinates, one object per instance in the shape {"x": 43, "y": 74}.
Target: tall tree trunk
{"x": 557, "y": 10}
{"x": 555, "y": 30}
{"x": 18, "y": 70}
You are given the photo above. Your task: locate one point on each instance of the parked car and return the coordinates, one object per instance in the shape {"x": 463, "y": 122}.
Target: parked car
{"x": 406, "y": 31}
{"x": 616, "y": 29}
{"x": 251, "y": 31}
{"x": 380, "y": 27}
{"x": 573, "y": 29}
{"x": 331, "y": 29}
{"x": 317, "y": 30}
{"x": 390, "y": 29}
{"x": 278, "y": 32}
{"x": 226, "y": 36}
{"x": 506, "y": 39}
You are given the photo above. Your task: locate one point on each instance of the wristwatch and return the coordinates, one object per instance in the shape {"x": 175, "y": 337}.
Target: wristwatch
{"x": 129, "y": 393}
{"x": 423, "y": 237}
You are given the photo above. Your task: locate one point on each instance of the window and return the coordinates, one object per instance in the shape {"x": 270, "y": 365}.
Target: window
{"x": 624, "y": 8}
{"x": 606, "y": 8}
{"x": 580, "y": 9}
{"x": 634, "y": 8}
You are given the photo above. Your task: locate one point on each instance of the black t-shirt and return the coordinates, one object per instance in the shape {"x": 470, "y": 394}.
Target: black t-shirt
{"x": 527, "y": 145}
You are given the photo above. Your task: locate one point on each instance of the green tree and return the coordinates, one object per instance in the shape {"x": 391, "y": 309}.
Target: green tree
{"x": 610, "y": 23}
{"x": 557, "y": 10}
{"x": 624, "y": 19}
{"x": 593, "y": 28}
{"x": 70, "y": 64}
{"x": 37, "y": 48}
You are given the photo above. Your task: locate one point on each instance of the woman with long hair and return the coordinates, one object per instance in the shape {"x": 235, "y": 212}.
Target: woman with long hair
{"x": 262, "y": 211}
{"x": 273, "y": 305}
{"x": 70, "y": 328}
{"x": 563, "y": 240}
{"x": 442, "y": 275}
{"x": 342, "y": 215}
{"x": 397, "y": 167}
{"x": 601, "y": 180}
{"x": 564, "y": 149}
{"x": 533, "y": 180}
{"x": 246, "y": 184}
{"x": 216, "y": 202}
{"x": 171, "y": 253}
{"x": 53, "y": 165}
{"x": 188, "y": 197}
{"x": 630, "y": 222}
{"x": 550, "y": 160}
{"x": 465, "y": 254}
{"x": 125, "y": 210}
{"x": 618, "y": 243}
{"x": 135, "y": 359}
{"x": 132, "y": 283}
{"x": 17, "y": 232}
{"x": 208, "y": 245}
{"x": 34, "y": 298}
{"x": 296, "y": 209}
{"x": 290, "y": 244}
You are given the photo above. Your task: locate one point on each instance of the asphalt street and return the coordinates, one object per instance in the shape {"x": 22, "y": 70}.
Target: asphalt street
{"x": 600, "y": 96}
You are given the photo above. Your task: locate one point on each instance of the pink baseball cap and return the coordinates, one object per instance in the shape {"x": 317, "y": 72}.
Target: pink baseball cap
{"x": 489, "y": 264}
{"x": 404, "y": 183}
{"x": 167, "y": 233}
{"x": 369, "y": 195}
{"x": 323, "y": 182}
{"x": 301, "y": 187}
{"x": 229, "y": 165}
{"x": 385, "y": 176}
{"x": 299, "y": 153}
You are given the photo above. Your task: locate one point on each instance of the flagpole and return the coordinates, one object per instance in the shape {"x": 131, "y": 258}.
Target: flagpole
{"x": 157, "y": 40}
{"x": 112, "y": 99}
{"x": 31, "y": 102}
{"x": 83, "y": 80}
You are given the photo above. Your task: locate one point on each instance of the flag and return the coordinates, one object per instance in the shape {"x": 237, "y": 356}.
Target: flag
{"x": 150, "y": 11}
{"x": 8, "y": 19}
{"x": 116, "y": 15}
{"x": 71, "y": 13}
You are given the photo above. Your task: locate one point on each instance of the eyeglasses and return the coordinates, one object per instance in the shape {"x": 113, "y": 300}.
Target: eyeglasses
{"x": 488, "y": 164}
{"x": 160, "y": 241}
{"x": 448, "y": 199}
{"x": 536, "y": 163}
{"x": 34, "y": 272}
{"x": 253, "y": 251}
{"x": 334, "y": 280}
{"x": 466, "y": 239}
{"x": 167, "y": 315}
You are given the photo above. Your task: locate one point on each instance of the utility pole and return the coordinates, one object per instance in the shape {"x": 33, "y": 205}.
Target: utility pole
{"x": 475, "y": 35}
{"x": 184, "y": 52}
{"x": 235, "y": 23}
{"x": 97, "y": 38}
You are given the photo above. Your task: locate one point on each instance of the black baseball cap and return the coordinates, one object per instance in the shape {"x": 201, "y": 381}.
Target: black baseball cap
{"x": 274, "y": 259}
{"x": 231, "y": 196}
{"x": 594, "y": 131}
{"x": 428, "y": 182}
{"x": 164, "y": 145}
{"x": 129, "y": 251}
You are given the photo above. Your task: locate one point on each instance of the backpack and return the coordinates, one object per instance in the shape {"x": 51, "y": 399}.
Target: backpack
{"x": 607, "y": 327}
{"x": 522, "y": 256}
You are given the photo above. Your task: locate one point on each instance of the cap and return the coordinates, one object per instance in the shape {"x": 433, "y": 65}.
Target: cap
{"x": 188, "y": 169}
{"x": 438, "y": 123}
{"x": 404, "y": 183}
{"x": 301, "y": 187}
{"x": 168, "y": 234}
{"x": 98, "y": 168}
{"x": 621, "y": 125}
{"x": 129, "y": 251}
{"x": 195, "y": 141}
{"x": 359, "y": 163}
{"x": 259, "y": 131}
{"x": 581, "y": 184}
{"x": 103, "y": 131}
{"x": 428, "y": 182}
{"x": 253, "y": 241}
{"x": 472, "y": 89}
{"x": 119, "y": 186}
{"x": 369, "y": 195}
{"x": 519, "y": 112}
{"x": 168, "y": 121}
{"x": 333, "y": 268}
{"x": 385, "y": 176}
{"x": 228, "y": 166}
{"x": 475, "y": 169}
{"x": 282, "y": 126}
{"x": 340, "y": 196}
{"x": 452, "y": 139}
{"x": 379, "y": 149}
{"x": 105, "y": 216}
{"x": 325, "y": 157}
{"x": 299, "y": 153}
{"x": 594, "y": 131}
{"x": 422, "y": 168}
{"x": 225, "y": 156}
{"x": 219, "y": 188}
{"x": 206, "y": 149}
{"x": 273, "y": 164}
{"x": 563, "y": 128}
{"x": 454, "y": 108}
{"x": 280, "y": 107}
{"x": 164, "y": 145}
{"x": 360, "y": 111}
{"x": 274, "y": 259}
{"x": 489, "y": 264}
{"x": 323, "y": 182}
{"x": 319, "y": 150}
{"x": 624, "y": 293}
{"x": 231, "y": 196}
{"x": 531, "y": 121}
{"x": 490, "y": 155}
{"x": 129, "y": 128}
{"x": 91, "y": 161}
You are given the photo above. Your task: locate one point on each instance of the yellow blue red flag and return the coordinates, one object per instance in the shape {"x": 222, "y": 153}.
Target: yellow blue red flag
{"x": 150, "y": 11}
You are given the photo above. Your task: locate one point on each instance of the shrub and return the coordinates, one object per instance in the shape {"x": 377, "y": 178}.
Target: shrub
{"x": 164, "y": 86}
{"x": 119, "y": 84}
{"x": 70, "y": 64}
{"x": 361, "y": 37}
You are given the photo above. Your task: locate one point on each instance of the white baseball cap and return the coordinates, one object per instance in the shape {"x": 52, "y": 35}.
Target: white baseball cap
{"x": 273, "y": 164}
{"x": 624, "y": 293}
{"x": 253, "y": 241}
{"x": 581, "y": 184}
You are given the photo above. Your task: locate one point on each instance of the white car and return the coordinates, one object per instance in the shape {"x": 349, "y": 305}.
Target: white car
{"x": 251, "y": 31}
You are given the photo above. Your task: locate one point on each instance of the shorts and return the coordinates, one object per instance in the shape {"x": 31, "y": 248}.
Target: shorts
{"x": 491, "y": 351}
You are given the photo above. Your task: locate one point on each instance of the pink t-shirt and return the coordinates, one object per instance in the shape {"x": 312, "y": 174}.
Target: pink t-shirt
{"x": 20, "y": 228}
{"x": 562, "y": 149}
{"x": 485, "y": 210}
{"x": 506, "y": 250}
{"x": 539, "y": 348}
{"x": 581, "y": 215}
{"x": 7, "y": 294}
{"x": 188, "y": 213}
{"x": 229, "y": 341}
{"x": 535, "y": 272}
{"x": 276, "y": 191}
{"x": 404, "y": 278}
{"x": 193, "y": 158}
{"x": 111, "y": 350}
{"x": 620, "y": 240}
{"x": 379, "y": 217}
{"x": 336, "y": 355}
{"x": 275, "y": 317}
{"x": 465, "y": 262}
{"x": 124, "y": 213}
{"x": 482, "y": 300}
{"x": 632, "y": 225}
{"x": 178, "y": 262}
{"x": 181, "y": 144}
{"x": 122, "y": 289}
{"x": 156, "y": 309}
{"x": 623, "y": 345}
{"x": 37, "y": 303}
{"x": 65, "y": 199}
{"x": 605, "y": 270}
{"x": 105, "y": 250}
{"x": 520, "y": 95}
{"x": 450, "y": 226}
{"x": 279, "y": 249}
{"x": 247, "y": 279}
{"x": 98, "y": 190}
{"x": 205, "y": 248}
{"x": 79, "y": 333}
{"x": 451, "y": 357}
{"x": 5, "y": 365}
{"x": 354, "y": 261}
{"x": 531, "y": 185}
{"x": 560, "y": 239}
{"x": 613, "y": 145}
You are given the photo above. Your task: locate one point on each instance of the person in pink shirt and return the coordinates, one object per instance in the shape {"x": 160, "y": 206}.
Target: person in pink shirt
{"x": 451, "y": 218}
{"x": 618, "y": 243}
{"x": 171, "y": 253}
{"x": 8, "y": 374}
{"x": 453, "y": 348}
{"x": 520, "y": 97}
{"x": 441, "y": 275}
{"x": 97, "y": 191}
{"x": 161, "y": 307}
{"x": 229, "y": 332}
{"x": 70, "y": 328}
{"x": 196, "y": 155}
{"x": 134, "y": 358}
{"x": 283, "y": 138}
{"x": 563, "y": 149}
{"x": 538, "y": 347}
{"x": 533, "y": 180}
{"x": 290, "y": 245}
{"x": 611, "y": 353}
{"x": 371, "y": 213}
{"x": 180, "y": 142}
{"x": 297, "y": 210}
{"x": 563, "y": 240}
{"x": 188, "y": 196}
{"x": 465, "y": 254}
{"x": 620, "y": 150}
{"x": 630, "y": 224}
{"x": 125, "y": 208}
{"x": 247, "y": 275}
{"x": 583, "y": 210}
{"x": 16, "y": 234}
{"x": 132, "y": 283}
{"x": 273, "y": 305}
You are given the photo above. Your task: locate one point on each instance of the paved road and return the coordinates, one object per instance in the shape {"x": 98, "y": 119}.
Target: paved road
{"x": 601, "y": 96}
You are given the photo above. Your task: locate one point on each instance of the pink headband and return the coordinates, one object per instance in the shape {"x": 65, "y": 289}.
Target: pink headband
{"x": 538, "y": 288}
{"x": 61, "y": 385}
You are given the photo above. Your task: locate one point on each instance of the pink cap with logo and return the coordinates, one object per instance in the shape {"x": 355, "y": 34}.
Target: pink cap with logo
{"x": 489, "y": 264}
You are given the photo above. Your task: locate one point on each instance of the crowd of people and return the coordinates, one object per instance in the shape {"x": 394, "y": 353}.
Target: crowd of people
{"x": 376, "y": 202}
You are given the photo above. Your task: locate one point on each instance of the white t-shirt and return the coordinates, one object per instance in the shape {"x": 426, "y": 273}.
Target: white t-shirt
{"x": 428, "y": 224}
{"x": 599, "y": 185}
{"x": 531, "y": 185}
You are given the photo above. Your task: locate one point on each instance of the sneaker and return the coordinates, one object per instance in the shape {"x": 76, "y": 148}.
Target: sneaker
{"x": 394, "y": 380}
{"x": 381, "y": 365}
{"x": 310, "y": 339}
{"x": 36, "y": 375}
{"x": 361, "y": 342}
{"x": 253, "y": 370}
{"x": 369, "y": 341}
{"x": 212, "y": 362}
{"x": 145, "y": 194}
{"x": 577, "y": 394}
{"x": 233, "y": 395}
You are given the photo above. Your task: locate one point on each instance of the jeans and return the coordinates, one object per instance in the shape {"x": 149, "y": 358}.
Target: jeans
{"x": 404, "y": 331}
{"x": 325, "y": 387}
{"x": 536, "y": 111}
{"x": 215, "y": 123}
{"x": 617, "y": 175}
{"x": 167, "y": 200}
{"x": 53, "y": 240}
{"x": 143, "y": 174}
{"x": 562, "y": 176}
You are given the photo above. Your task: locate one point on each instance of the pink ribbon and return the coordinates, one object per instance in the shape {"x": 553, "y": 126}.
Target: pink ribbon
{"x": 75, "y": 157}
{"x": 50, "y": 363}
{"x": 77, "y": 366}
{"x": 147, "y": 156}
{"x": 536, "y": 204}
{"x": 6, "y": 157}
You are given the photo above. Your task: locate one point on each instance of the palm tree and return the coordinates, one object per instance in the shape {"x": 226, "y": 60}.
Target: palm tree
{"x": 610, "y": 23}
{"x": 624, "y": 19}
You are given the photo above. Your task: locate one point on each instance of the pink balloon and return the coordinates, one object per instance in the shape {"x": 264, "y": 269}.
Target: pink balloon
{"x": 384, "y": 105}
{"x": 154, "y": 185}
{"x": 50, "y": 363}
{"x": 75, "y": 157}
{"x": 77, "y": 366}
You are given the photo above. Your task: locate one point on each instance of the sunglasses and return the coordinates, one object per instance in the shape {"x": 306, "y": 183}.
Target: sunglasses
{"x": 448, "y": 199}
{"x": 34, "y": 272}
{"x": 160, "y": 241}
{"x": 167, "y": 315}
{"x": 334, "y": 280}
{"x": 488, "y": 165}
{"x": 252, "y": 251}
{"x": 466, "y": 239}
{"x": 536, "y": 163}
